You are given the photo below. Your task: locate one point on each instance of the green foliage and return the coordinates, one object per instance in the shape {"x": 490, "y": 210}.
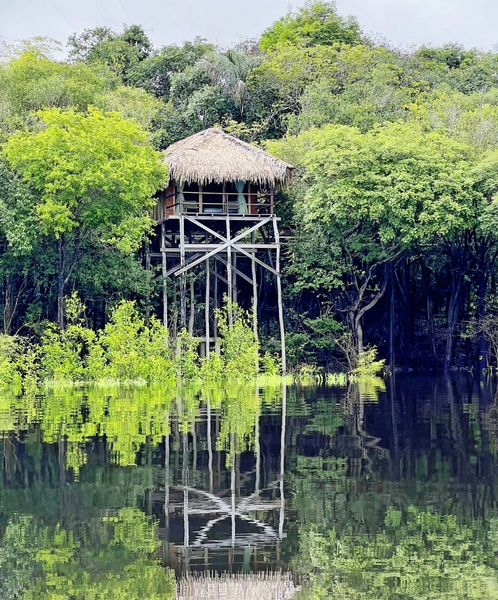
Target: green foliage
{"x": 368, "y": 365}
{"x": 92, "y": 170}
{"x": 115, "y": 561}
{"x": 417, "y": 554}
{"x": 10, "y": 354}
{"x": 31, "y": 82}
{"x": 239, "y": 348}
{"x": 317, "y": 23}
{"x": 128, "y": 349}
{"x": 187, "y": 358}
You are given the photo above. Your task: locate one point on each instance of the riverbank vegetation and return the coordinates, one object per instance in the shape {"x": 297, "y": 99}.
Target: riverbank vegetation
{"x": 390, "y": 224}
{"x": 129, "y": 349}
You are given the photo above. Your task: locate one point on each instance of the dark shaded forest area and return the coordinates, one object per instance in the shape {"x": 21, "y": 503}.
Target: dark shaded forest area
{"x": 390, "y": 224}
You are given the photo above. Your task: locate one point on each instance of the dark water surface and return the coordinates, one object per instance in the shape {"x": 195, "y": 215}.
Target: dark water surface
{"x": 376, "y": 490}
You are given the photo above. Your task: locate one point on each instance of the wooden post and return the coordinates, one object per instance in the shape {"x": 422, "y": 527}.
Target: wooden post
{"x": 165, "y": 279}
{"x": 206, "y": 310}
{"x": 279, "y": 298}
{"x": 192, "y": 308}
{"x": 215, "y": 327}
{"x": 183, "y": 281}
{"x": 147, "y": 268}
{"x": 229, "y": 274}
{"x": 254, "y": 291}
{"x": 234, "y": 275}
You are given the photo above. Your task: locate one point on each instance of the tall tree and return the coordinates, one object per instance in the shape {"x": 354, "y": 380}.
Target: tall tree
{"x": 94, "y": 175}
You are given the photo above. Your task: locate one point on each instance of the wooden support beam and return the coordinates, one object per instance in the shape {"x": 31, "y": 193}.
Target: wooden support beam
{"x": 238, "y": 271}
{"x": 165, "y": 278}
{"x": 234, "y": 276}
{"x": 192, "y": 308}
{"x": 222, "y": 247}
{"x": 229, "y": 272}
{"x": 206, "y": 318}
{"x": 183, "y": 282}
{"x": 279, "y": 300}
{"x": 254, "y": 295}
{"x": 205, "y": 248}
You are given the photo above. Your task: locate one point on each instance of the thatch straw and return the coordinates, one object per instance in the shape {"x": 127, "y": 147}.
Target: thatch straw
{"x": 259, "y": 586}
{"x": 212, "y": 156}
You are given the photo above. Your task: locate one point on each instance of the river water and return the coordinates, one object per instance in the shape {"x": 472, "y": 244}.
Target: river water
{"x": 379, "y": 489}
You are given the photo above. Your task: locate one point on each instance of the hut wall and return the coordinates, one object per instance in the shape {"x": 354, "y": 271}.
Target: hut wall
{"x": 170, "y": 200}
{"x": 165, "y": 203}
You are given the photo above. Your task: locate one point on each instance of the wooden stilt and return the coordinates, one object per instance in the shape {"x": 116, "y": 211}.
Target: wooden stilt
{"x": 234, "y": 275}
{"x": 206, "y": 308}
{"x": 279, "y": 298}
{"x": 192, "y": 308}
{"x": 183, "y": 282}
{"x": 165, "y": 279}
{"x": 254, "y": 293}
{"x": 147, "y": 310}
{"x": 215, "y": 298}
{"x": 229, "y": 274}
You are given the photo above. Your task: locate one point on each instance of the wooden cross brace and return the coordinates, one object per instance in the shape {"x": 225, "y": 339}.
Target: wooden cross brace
{"x": 227, "y": 243}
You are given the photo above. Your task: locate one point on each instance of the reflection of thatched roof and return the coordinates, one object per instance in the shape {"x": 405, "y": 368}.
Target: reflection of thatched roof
{"x": 255, "y": 586}
{"x": 214, "y": 156}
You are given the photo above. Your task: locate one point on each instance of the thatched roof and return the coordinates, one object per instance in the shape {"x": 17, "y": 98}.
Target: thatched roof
{"x": 212, "y": 156}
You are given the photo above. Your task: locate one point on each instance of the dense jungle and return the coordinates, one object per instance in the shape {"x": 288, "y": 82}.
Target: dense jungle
{"x": 390, "y": 223}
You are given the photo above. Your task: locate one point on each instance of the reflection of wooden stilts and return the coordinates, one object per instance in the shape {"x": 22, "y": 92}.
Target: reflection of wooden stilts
{"x": 282, "y": 463}
{"x": 210, "y": 447}
{"x": 232, "y": 485}
{"x": 166, "y": 485}
{"x": 186, "y": 536}
{"x": 257, "y": 451}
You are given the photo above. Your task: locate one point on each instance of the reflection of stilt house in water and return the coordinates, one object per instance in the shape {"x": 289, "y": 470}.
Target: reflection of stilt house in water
{"x": 222, "y": 518}
{"x": 216, "y": 219}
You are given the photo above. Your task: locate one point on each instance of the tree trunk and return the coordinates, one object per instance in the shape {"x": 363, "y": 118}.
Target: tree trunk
{"x": 392, "y": 320}
{"x": 482, "y": 284}
{"x": 453, "y": 312}
{"x": 431, "y": 329}
{"x": 61, "y": 284}
{"x": 359, "y": 335}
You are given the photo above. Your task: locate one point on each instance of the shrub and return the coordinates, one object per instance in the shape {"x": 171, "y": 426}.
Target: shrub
{"x": 239, "y": 347}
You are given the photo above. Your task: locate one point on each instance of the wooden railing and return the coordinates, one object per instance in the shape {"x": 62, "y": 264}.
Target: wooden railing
{"x": 224, "y": 204}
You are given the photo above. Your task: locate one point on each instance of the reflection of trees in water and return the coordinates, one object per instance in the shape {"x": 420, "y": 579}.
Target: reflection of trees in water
{"x": 402, "y": 503}
{"x": 351, "y": 455}
{"x": 72, "y": 436}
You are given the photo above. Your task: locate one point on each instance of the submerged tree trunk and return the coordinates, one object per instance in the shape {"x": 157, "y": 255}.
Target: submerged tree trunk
{"x": 429, "y": 293}
{"x": 482, "y": 284}
{"x": 454, "y": 305}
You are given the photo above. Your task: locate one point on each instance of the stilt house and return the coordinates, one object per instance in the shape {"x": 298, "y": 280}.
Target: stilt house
{"x": 217, "y": 231}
